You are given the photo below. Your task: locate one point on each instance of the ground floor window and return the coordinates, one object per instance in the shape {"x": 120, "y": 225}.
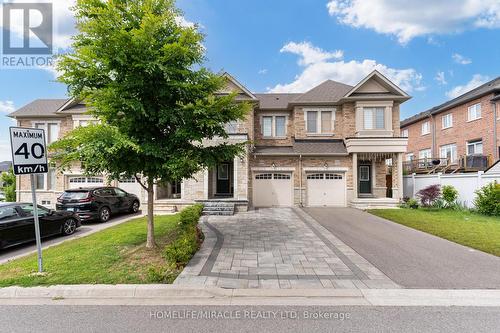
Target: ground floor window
{"x": 475, "y": 147}
{"x": 449, "y": 152}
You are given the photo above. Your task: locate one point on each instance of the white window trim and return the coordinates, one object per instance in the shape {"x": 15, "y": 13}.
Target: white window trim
{"x": 46, "y": 122}
{"x": 273, "y": 125}
{"x": 46, "y": 181}
{"x": 318, "y": 121}
{"x": 444, "y": 117}
{"x": 424, "y": 150}
{"x": 468, "y": 112}
{"x": 405, "y": 131}
{"x": 77, "y": 119}
{"x": 410, "y": 157}
{"x": 374, "y": 118}
{"x": 473, "y": 143}
{"x": 428, "y": 128}
{"x": 449, "y": 145}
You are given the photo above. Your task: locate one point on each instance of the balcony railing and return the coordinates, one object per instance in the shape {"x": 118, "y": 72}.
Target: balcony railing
{"x": 465, "y": 163}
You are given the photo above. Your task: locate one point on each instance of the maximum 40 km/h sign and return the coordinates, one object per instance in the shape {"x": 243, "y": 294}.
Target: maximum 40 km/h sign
{"x": 29, "y": 154}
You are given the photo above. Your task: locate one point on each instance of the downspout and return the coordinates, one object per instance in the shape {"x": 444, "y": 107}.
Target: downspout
{"x": 495, "y": 134}
{"x": 433, "y": 124}
{"x": 300, "y": 181}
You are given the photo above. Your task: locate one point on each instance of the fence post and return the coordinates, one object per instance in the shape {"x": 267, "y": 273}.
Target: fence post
{"x": 439, "y": 178}
{"x": 479, "y": 179}
{"x": 414, "y": 183}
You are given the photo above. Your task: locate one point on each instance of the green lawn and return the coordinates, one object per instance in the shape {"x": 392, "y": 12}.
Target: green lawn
{"x": 112, "y": 256}
{"x": 469, "y": 229}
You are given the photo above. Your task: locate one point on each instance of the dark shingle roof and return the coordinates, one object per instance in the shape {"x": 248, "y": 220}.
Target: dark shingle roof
{"x": 275, "y": 101}
{"x": 487, "y": 88}
{"x": 327, "y": 92}
{"x": 306, "y": 147}
{"x": 40, "y": 107}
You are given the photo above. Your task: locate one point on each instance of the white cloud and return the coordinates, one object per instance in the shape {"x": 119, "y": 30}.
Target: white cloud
{"x": 460, "y": 59}
{"x": 182, "y": 21}
{"x": 441, "y": 78}
{"x": 310, "y": 54}
{"x": 409, "y": 19}
{"x": 7, "y": 107}
{"x": 5, "y": 153}
{"x": 475, "y": 82}
{"x": 263, "y": 71}
{"x": 317, "y": 69}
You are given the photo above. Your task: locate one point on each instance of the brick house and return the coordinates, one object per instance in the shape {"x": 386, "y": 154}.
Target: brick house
{"x": 462, "y": 134}
{"x": 325, "y": 147}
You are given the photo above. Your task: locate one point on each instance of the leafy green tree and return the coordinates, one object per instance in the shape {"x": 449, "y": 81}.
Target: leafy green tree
{"x": 141, "y": 72}
{"x": 8, "y": 179}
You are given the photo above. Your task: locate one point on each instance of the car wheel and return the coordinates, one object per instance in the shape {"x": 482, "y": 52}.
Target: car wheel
{"x": 104, "y": 214}
{"x": 69, "y": 227}
{"x": 135, "y": 207}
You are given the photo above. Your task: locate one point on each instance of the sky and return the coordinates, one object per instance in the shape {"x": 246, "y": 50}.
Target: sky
{"x": 434, "y": 50}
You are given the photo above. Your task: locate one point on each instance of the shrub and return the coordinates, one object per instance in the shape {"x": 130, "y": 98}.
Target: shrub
{"x": 450, "y": 195}
{"x": 429, "y": 195}
{"x": 412, "y": 203}
{"x": 184, "y": 247}
{"x": 189, "y": 216}
{"x": 162, "y": 274}
{"x": 487, "y": 200}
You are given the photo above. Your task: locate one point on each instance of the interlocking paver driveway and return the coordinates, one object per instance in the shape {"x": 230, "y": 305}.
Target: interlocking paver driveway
{"x": 277, "y": 248}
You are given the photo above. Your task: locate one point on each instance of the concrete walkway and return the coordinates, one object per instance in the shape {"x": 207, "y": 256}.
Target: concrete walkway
{"x": 277, "y": 248}
{"x": 409, "y": 257}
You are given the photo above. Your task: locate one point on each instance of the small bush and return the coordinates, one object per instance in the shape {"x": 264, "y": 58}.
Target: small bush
{"x": 429, "y": 195}
{"x": 412, "y": 203}
{"x": 487, "y": 200}
{"x": 162, "y": 274}
{"x": 184, "y": 247}
{"x": 189, "y": 216}
{"x": 450, "y": 195}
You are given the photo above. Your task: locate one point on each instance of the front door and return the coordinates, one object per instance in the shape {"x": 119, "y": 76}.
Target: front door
{"x": 365, "y": 179}
{"x": 223, "y": 179}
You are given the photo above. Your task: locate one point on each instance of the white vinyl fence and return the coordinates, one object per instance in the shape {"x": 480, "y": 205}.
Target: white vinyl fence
{"x": 465, "y": 183}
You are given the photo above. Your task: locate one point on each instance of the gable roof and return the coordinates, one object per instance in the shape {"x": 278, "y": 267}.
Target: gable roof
{"x": 238, "y": 85}
{"x": 381, "y": 81}
{"x": 40, "y": 108}
{"x": 492, "y": 86}
{"x": 327, "y": 92}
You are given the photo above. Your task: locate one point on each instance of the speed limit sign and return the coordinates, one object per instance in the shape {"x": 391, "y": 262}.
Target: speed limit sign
{"x": 29, "y": 157}
{"x": 29, "y": 154}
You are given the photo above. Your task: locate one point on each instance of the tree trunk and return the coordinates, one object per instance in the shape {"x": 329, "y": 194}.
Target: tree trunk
{"x": 150, "y": 243}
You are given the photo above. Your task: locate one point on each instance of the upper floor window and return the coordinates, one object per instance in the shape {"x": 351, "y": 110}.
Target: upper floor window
{"x": 474, "y": 112}
{"x": 475, "y": 147}
{"x": 274, "y": 126}
{"x": 319, "y": 122}
{"x": 426, "y": 128}
{"x": 84, "y": 122}
{"x": 373, "y": 118}
{"x": 424, "y": 153}
{"x": 447, "y": 121}
{"x": 51, "y": 130}
{"x": 449, "y": 152}
{"x": 231, "y": 127}
{"x": 404, "y": 133}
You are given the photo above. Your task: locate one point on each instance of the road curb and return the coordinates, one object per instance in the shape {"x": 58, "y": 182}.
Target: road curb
{"x": 177, "y": 295}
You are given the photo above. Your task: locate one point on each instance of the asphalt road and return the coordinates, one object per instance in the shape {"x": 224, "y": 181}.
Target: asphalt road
{"x": 247, "y": 319}
{"x": 409, "y": 257}
{"x": 87, "y": 228}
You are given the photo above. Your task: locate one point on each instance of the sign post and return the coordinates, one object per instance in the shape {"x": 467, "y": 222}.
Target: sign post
{"x": 29, "y": 157}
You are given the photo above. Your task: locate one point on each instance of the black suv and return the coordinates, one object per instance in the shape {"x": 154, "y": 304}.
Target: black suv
{"x": 97, "y": 203}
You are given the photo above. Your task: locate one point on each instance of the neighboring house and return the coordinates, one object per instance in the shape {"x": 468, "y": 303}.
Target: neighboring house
{"x": 5, "y": 166}
{"x": 462, "y": 134}
{"x": 325, "y": 147}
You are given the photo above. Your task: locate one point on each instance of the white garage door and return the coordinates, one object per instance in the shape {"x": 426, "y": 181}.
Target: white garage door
{"x": 130, "y": 185}
{"x": 326, "y": 189}
{"x": 81, "y": 181}
{"x": 272, "y": 189}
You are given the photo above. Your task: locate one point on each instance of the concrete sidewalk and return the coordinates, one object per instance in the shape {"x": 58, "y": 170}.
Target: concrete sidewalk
{"x": 181, "y": 295}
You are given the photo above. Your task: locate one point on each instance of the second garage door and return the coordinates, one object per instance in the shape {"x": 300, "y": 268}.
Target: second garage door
{"x": 326, "y": 189}
{"x": 272, "y": 189}
{"x": 82, "y": 181}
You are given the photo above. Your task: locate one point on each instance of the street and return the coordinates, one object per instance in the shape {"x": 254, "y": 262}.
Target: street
{"x": 87, "y": 228}
{"x": 248, "y": 319}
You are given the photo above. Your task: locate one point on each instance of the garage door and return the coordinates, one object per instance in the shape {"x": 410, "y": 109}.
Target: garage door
{"x": 130, "y": 185}
{"x": 272, "y": 190}
{"x": 326, "y": 189}
{"x": 81, "y": 181}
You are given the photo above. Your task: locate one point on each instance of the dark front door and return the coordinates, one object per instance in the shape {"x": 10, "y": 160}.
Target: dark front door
{"x": 224, "y": 179}
{"x": 365, "y": 179}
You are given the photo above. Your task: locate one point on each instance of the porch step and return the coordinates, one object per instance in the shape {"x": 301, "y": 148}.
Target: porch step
{"x": 161, "y": 208}
{"x": 218, "y": 208}
{"x": 374, "y": 203}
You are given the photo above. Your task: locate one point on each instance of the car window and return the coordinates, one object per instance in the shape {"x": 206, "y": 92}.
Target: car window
{"x": 120, "y": 192}
{"x": 27, "y": 210}
{"x": 104, "y": 192}
{"x": 8, "y": 213}
{"x": 75, "y": 195}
